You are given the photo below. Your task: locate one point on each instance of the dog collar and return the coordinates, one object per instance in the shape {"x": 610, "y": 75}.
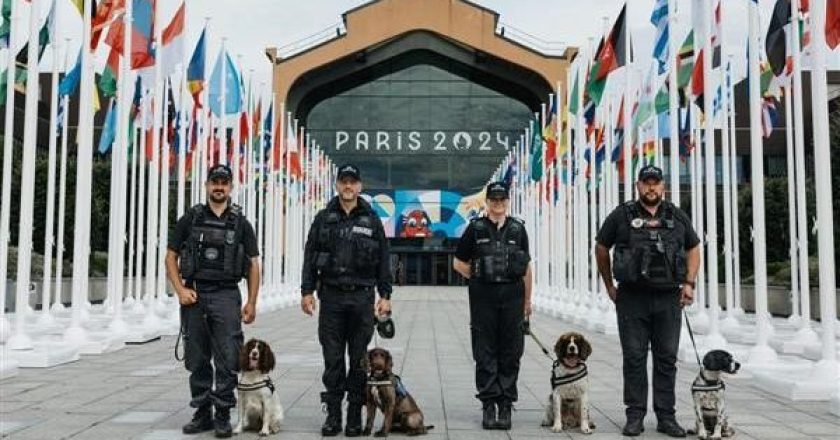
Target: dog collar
{"x": 568, "y": 378}
{"x": 707, "y": 385}
{"x": 395, "y": 381}
{"x": 255, "y": 386}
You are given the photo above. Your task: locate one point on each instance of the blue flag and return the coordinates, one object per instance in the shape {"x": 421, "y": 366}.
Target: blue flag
{"x": 106, "y": 138}
{"x": 233, "y": 88}
{"x": 70, "y": 82}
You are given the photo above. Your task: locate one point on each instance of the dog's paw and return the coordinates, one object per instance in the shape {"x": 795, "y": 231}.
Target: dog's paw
{"x": 380, "y": 433}
{"x": 586, "y": 430}
{"x": 366, "y": 432}
{"x": 557, "y": 428}
{"x": 546, "y": 423}
{"x": 264, "y": 433}
{"x": 238, "y": 429}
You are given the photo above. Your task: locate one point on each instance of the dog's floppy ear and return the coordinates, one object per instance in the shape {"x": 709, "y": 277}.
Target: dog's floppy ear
{"x": 585, "y": 348}
{"x": 243, "y": 355}
{"x": 266, "y": 358}
{"x": 365, "y": 362}
{"x": 560, "y": 346}
{"x": 389, "y": 360}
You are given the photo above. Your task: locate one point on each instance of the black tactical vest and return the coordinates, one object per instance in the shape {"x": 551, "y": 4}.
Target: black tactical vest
{"x": 214, "y": 250}
{"x": 348, "y": 250}
{"x": 500, "y": 257}
{"x": 654, "y": 256}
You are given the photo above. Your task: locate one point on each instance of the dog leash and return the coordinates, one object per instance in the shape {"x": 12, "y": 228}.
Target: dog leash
{"x": 691, "y": 334}
{"x": 526, "y": 329}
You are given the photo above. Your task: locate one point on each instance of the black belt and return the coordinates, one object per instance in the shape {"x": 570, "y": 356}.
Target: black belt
{"x": 348, "y": 288}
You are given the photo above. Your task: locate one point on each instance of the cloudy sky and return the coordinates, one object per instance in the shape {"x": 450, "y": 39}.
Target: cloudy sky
{"x": 249, "y": 26}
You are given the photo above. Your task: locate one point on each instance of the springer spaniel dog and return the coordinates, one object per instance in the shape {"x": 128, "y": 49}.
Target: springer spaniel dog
{"x": 386, "y": 392}
{"x": 568, "y": 404}
{"x": 707, "y": 393}
{"x": 259, "y": 405}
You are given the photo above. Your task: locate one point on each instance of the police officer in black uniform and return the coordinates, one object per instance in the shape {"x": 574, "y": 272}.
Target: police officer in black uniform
{"x": 655, "y": 262}
{"x": 493, "y": 255}
{"x": 211, "y": 249}
{"x": 345, "y": 257}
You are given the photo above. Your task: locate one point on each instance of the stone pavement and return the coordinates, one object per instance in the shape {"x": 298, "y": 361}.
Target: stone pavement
{"x": 141, "y": 392}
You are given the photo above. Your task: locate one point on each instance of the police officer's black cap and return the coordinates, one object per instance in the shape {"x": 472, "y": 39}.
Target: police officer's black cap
{"x": 220, "y": 172}
{"x": 497, "y": 190}
{"x": 650, "y": 172}
{"x": 348, "y": 170}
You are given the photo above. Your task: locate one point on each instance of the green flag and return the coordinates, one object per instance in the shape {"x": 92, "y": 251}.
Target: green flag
{"x": 536, "y": 151}
{"x": 685, "y": 61}
{"x": 596, "y": 87}
{"x": 574, "y": 100}
{"x": 5, "y": 28}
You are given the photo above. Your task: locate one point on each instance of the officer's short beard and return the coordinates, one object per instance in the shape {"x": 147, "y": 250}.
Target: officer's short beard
{"x": 651, "y": 202}
{"x": 218, "y": 199}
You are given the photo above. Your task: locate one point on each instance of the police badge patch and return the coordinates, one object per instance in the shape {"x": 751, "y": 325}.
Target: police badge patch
{"x": 637, "y": 223}
{"x": 363, "y": 230}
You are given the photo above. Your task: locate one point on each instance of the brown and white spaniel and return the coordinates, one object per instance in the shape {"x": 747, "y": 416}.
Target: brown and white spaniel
{"x": 259, "y": 404}
{"x": 568, "y": 404}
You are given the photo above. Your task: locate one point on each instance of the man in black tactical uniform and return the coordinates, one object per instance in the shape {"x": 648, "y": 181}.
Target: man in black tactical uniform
{"x": 211, "y": 249}
{"x": 346, "y": 255}
{"x": 493, "y": 255}
{"x": 656, "y": 258}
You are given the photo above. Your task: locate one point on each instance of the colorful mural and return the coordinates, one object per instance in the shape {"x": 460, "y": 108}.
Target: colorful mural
{"x": 425, "y": 213}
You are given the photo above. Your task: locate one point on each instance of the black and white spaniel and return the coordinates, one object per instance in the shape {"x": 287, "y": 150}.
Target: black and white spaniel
{"x": 568, "y": 404}
{"x": 707, "y": 393}
{"x": 259, "y": 405}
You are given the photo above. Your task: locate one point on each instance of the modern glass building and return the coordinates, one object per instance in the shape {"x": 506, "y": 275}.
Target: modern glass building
{"x": 427, "y": 98}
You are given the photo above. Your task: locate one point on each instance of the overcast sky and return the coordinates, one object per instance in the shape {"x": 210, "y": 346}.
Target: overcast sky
{"x": 250, "y": 26}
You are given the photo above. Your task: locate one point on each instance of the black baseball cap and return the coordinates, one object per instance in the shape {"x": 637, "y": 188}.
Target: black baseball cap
{"x": 497, "y": 190}
{"x": 650, "y": 172}
{"x": 219, "y": 171}
{"x": 348, "y": 170}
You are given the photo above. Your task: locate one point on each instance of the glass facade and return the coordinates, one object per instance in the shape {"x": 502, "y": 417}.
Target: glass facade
{"x": 420, "y": 127}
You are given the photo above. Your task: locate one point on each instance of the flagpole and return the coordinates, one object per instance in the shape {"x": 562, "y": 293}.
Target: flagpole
{"x": 8, "y": 157}
{"x": 714, "y": 339}
{"x": 733, "y": 172}
{"x": 628, "y": 165}
{"x": 795, "y": 316}
{"x": 182, "y": 144}
{"x": 151, "y": 320}
{"x": 163, "y": 222}
{"x": 62, "y": 190}
{"x": 805, "y": 335}
{"x": 827, "y": 367}
{"x": 141, "y": 207}
{"x": 132, "y": 220}
{"x": 223, "y": 108}
{"x": 46, "y": 318}
{"x": 673, "y": 103}
{"x": 75, "y": 334}
{"x": 729, "y": 323}
{"x": 761, "y": 353}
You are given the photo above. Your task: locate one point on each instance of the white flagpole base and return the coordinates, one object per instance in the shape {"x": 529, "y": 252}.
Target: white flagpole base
{"x": 19, "y": 341}
{"x": 5, "y": 329}
{"x": 795, "y": 320}
{"x": 835, "y": 401}
{"x": 809, "y": 386}
{"x": 46, "y": 319}
{"x": 43, "y": 355}
{"x": 58, "y": 307}
{"x": 8, "y": 367}
{"x": 730, "y": 327}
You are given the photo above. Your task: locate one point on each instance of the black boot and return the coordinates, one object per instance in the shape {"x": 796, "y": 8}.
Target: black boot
{"x": 354, "y": 420}
{"x": 488, "y": 415}
{"x": 202, "y": 421}
{"x": 332, "y": 425}
{"x": 504, "y": 422}
{"x": 221, "y": 423}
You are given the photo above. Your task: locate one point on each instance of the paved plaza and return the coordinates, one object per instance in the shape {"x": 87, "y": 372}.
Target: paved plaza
{"x": 140, "y": 392}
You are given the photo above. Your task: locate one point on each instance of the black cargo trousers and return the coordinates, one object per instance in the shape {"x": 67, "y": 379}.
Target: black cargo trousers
{"x": 496, "y": 315}
{"x": 212, "y": 329}
{"x": 345, "y": 324}
{"x": 649, "y": 319}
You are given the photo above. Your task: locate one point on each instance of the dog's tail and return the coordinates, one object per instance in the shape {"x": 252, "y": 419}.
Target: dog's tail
{"x": 428, "y": 427}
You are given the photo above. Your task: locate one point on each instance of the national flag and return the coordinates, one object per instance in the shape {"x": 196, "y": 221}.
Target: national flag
{"x": 172, "y": 52}
{"x": 574, "y": 99}
{"x": 776, "y": 44}
{"x": 769, "y": 116}
{"x": 832, "y": 23}
{"x": 717, "y": 36}
{"x": 110, "y": 74}
{"x": 659, "y": 18}
{"x": 611, "y": 54}
{"x": 550, "y": 134}
{"x": 80, "y": 5}
{"x": 292, "y": 149}
{"x": 195, "y": 71}
{"x": 70, "y": 82}
{"x": 106, "y": 138}
{"x": 697, "y": 85}
{"x": 233, "y": 90}
{"x": 142, "y": 35}
{"x": 685, "y": 61}
{"x": 269, "y": 118}
{"x": 103, "y": 15}
{"x": 6, "y": 27}
{"x": 536, "y": 151}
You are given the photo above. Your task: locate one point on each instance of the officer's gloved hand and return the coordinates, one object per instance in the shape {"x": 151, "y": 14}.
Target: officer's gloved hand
{"x": 526, "y": 327}
{"x": 385, "y": 326}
